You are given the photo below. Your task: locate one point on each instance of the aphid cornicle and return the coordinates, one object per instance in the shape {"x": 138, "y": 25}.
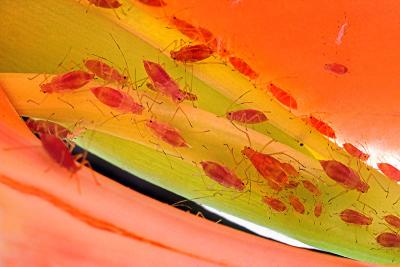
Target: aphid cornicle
{"x": 67, "y": 82}
{"x": 222, "y": 175}
{"x": 191, "y": 53}
{"x": 355, "y": 217}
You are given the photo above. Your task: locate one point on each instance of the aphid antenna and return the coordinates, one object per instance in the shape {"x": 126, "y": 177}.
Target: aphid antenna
{"x": 379, "y": 183}
{"x": 236, "y": 100}
{"x": 338, "y": 195}
{"x": 163, "y": 151}
{"x": 368, "y": 206}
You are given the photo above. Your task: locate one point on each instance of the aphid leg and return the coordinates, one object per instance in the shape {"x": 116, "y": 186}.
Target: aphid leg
{"x": 338, "y": 195}
{"x": 96, "y": 107}
{"x": 379, "y": 183}
{"x": 237, "y": 163}
{"x": 366, "y": 205}
{"x": 65, "y": 102}
{"x": 163, "y": 151}
{"x": 247, "y": 135}
{"x": 84, "y": 162}
{"x": 37, "y": 103}
{"x": 184, "y": 114}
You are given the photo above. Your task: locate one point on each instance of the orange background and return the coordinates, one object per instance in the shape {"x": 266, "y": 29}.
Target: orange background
{"x": 296, "y": 38}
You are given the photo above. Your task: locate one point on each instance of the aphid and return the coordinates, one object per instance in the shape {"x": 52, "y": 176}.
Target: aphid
{"x": 274, "y": 186}
{"x": 106, "y": 3}
{"x": 282, "y": 96}
{"x": 192, "y": 53}
{"x": 292, "y": 184}
{"x": 341, "y": 33}
{"x": 296, "y": 204}
{"x": 390, "y": 171}
{"x": 392, "y": 220}
{"x": 318, "y": 209}
{"x": 355, "y": 152}
{"x": 156, "y": 3}
{"x": 343, "y": 175}
{"x": 67, "y": 82}
{"x": 222, "y": 175}
{"x": 336, "y": 68}
{"x": 248, "y": 116}
{"x": 269, "y": 167}
{"x": 116, "y": 99}
{"x": 355, "y": 217}
{"x": 244, "y": 68}
{"x": 162, "y": 81}
{"x": 390, "y": 240}
{"x": 104, "y": 71}
{"x": 311, "y": 187}
{"x": 185, "y": 28}
{"x": 320, "y": 126}
{"x": 167, "y": 133}
{"x": 274, "y": 203}
{"x": 186, "y": 95}
{"x": 58, "y": 151}
{"x": 48, "y": 127}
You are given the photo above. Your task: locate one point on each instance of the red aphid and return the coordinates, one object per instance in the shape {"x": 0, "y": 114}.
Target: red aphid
{"x": 355, "y": 152}
{"x": 311, "y": 187}
{"x": 274, "y": 204}
{"x": 185, "y": 28}
{"x": 222, "y": 175}
{"x": 244, "y": 68}
{"x": 296, "y": 204}
{"x": 392, "y": 220}
{"x": 192, "y": 53}
{"x": 117, "y": 99}
{"x": 248, "y": 116}
{"x": 282, "y": 96}
{"x": 67, "y": 82}
{"x": 162, "y": 81}
{"x": 167, "y": 133}
{"x": 343, "y": 175}
{"x": 48, "y": 127}
{"x": 320, "y": 126}
{"x": 390, "y": 240}
{"x": 104, "y": 71}
{"x": 292, "y": 184}
{"x": 269, "y": 167}
{"x": 58, "y": 151}
{"x": 390, "y": 171}
{"x": 106, "y": 3}
{"x": 355, "y": 217}
{"x": 156, "y": 3}
{"x": 186, "y": 95}
{"x": 336, "y": 68}
{"x": 274, "y": 185}
{"x": 318, "y": 209}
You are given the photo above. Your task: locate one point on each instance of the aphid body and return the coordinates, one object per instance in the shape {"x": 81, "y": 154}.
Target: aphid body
{"x": 336, "y": 68}
{"x": 67, "y": 82}
{"x": 296, "y": 204}
{"x": 311, "y": 187}
{"x": 222, "y": 175}
{"x": 355, "y": 152}
{"x": 106, "y": 3}
{"x": 320, "y": 126}
{"x": 192, "y": 53}
{"x": 48, "y": 127}
{"x": 244, "y": 68}
{"x": 392, "y": 220}
{"x": 274, "y": 203}
{"x": 167, "y": 133}
{"x": 390, "y": 240}
{"x": 248, "y": 116}
{"x": 104, "y": 71}
{"x": 390, "y": 171}
{"x": 318, "y": 209}
{"x": 282, "y": 96}
{"x": 355, "y": 217}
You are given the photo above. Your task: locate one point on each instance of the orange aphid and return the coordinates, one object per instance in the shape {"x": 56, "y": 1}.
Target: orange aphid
{"x": 274, "y": 203}
{"x": 269, "y": 167}
{"x": 244, "y": 68}
{"x": 392, "y": 220}
{"x": 116, "y": 99}
{"x": 355, "y": 217}
{"x": 292, "y": 184}
{"x": 222, "y": 175}
{"x": 104, "y": 71}
{"x": 390, "y": 171}
{"x": 289, "y": 169}
{"x": 106, "y": 3}
{"x": 67, "y": 82}
{"x": 343, "y": 175}
{"x": 336, "y": 68}
{"x": 320, "y": 126}
{"x": 311, "y": 187}
{"x": 274, "y": 186}
{"x": 167, "y": 133}
{"x": 186, "y": 95}
{"x": 192, "y": 53}
{"x": 156, "y": 3}
{"x": 318, "y": 209}
{"x": 48, "y": 127}
{"x": 355, "y": 152}
{"x": 282, "y": 96}
{"x": 162, "y": 81}
{"x": 296, "y": 204}
{"x": 390, "y": 240}
{"x": 185, "y": 28}
{"x": 248, "y": 116}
